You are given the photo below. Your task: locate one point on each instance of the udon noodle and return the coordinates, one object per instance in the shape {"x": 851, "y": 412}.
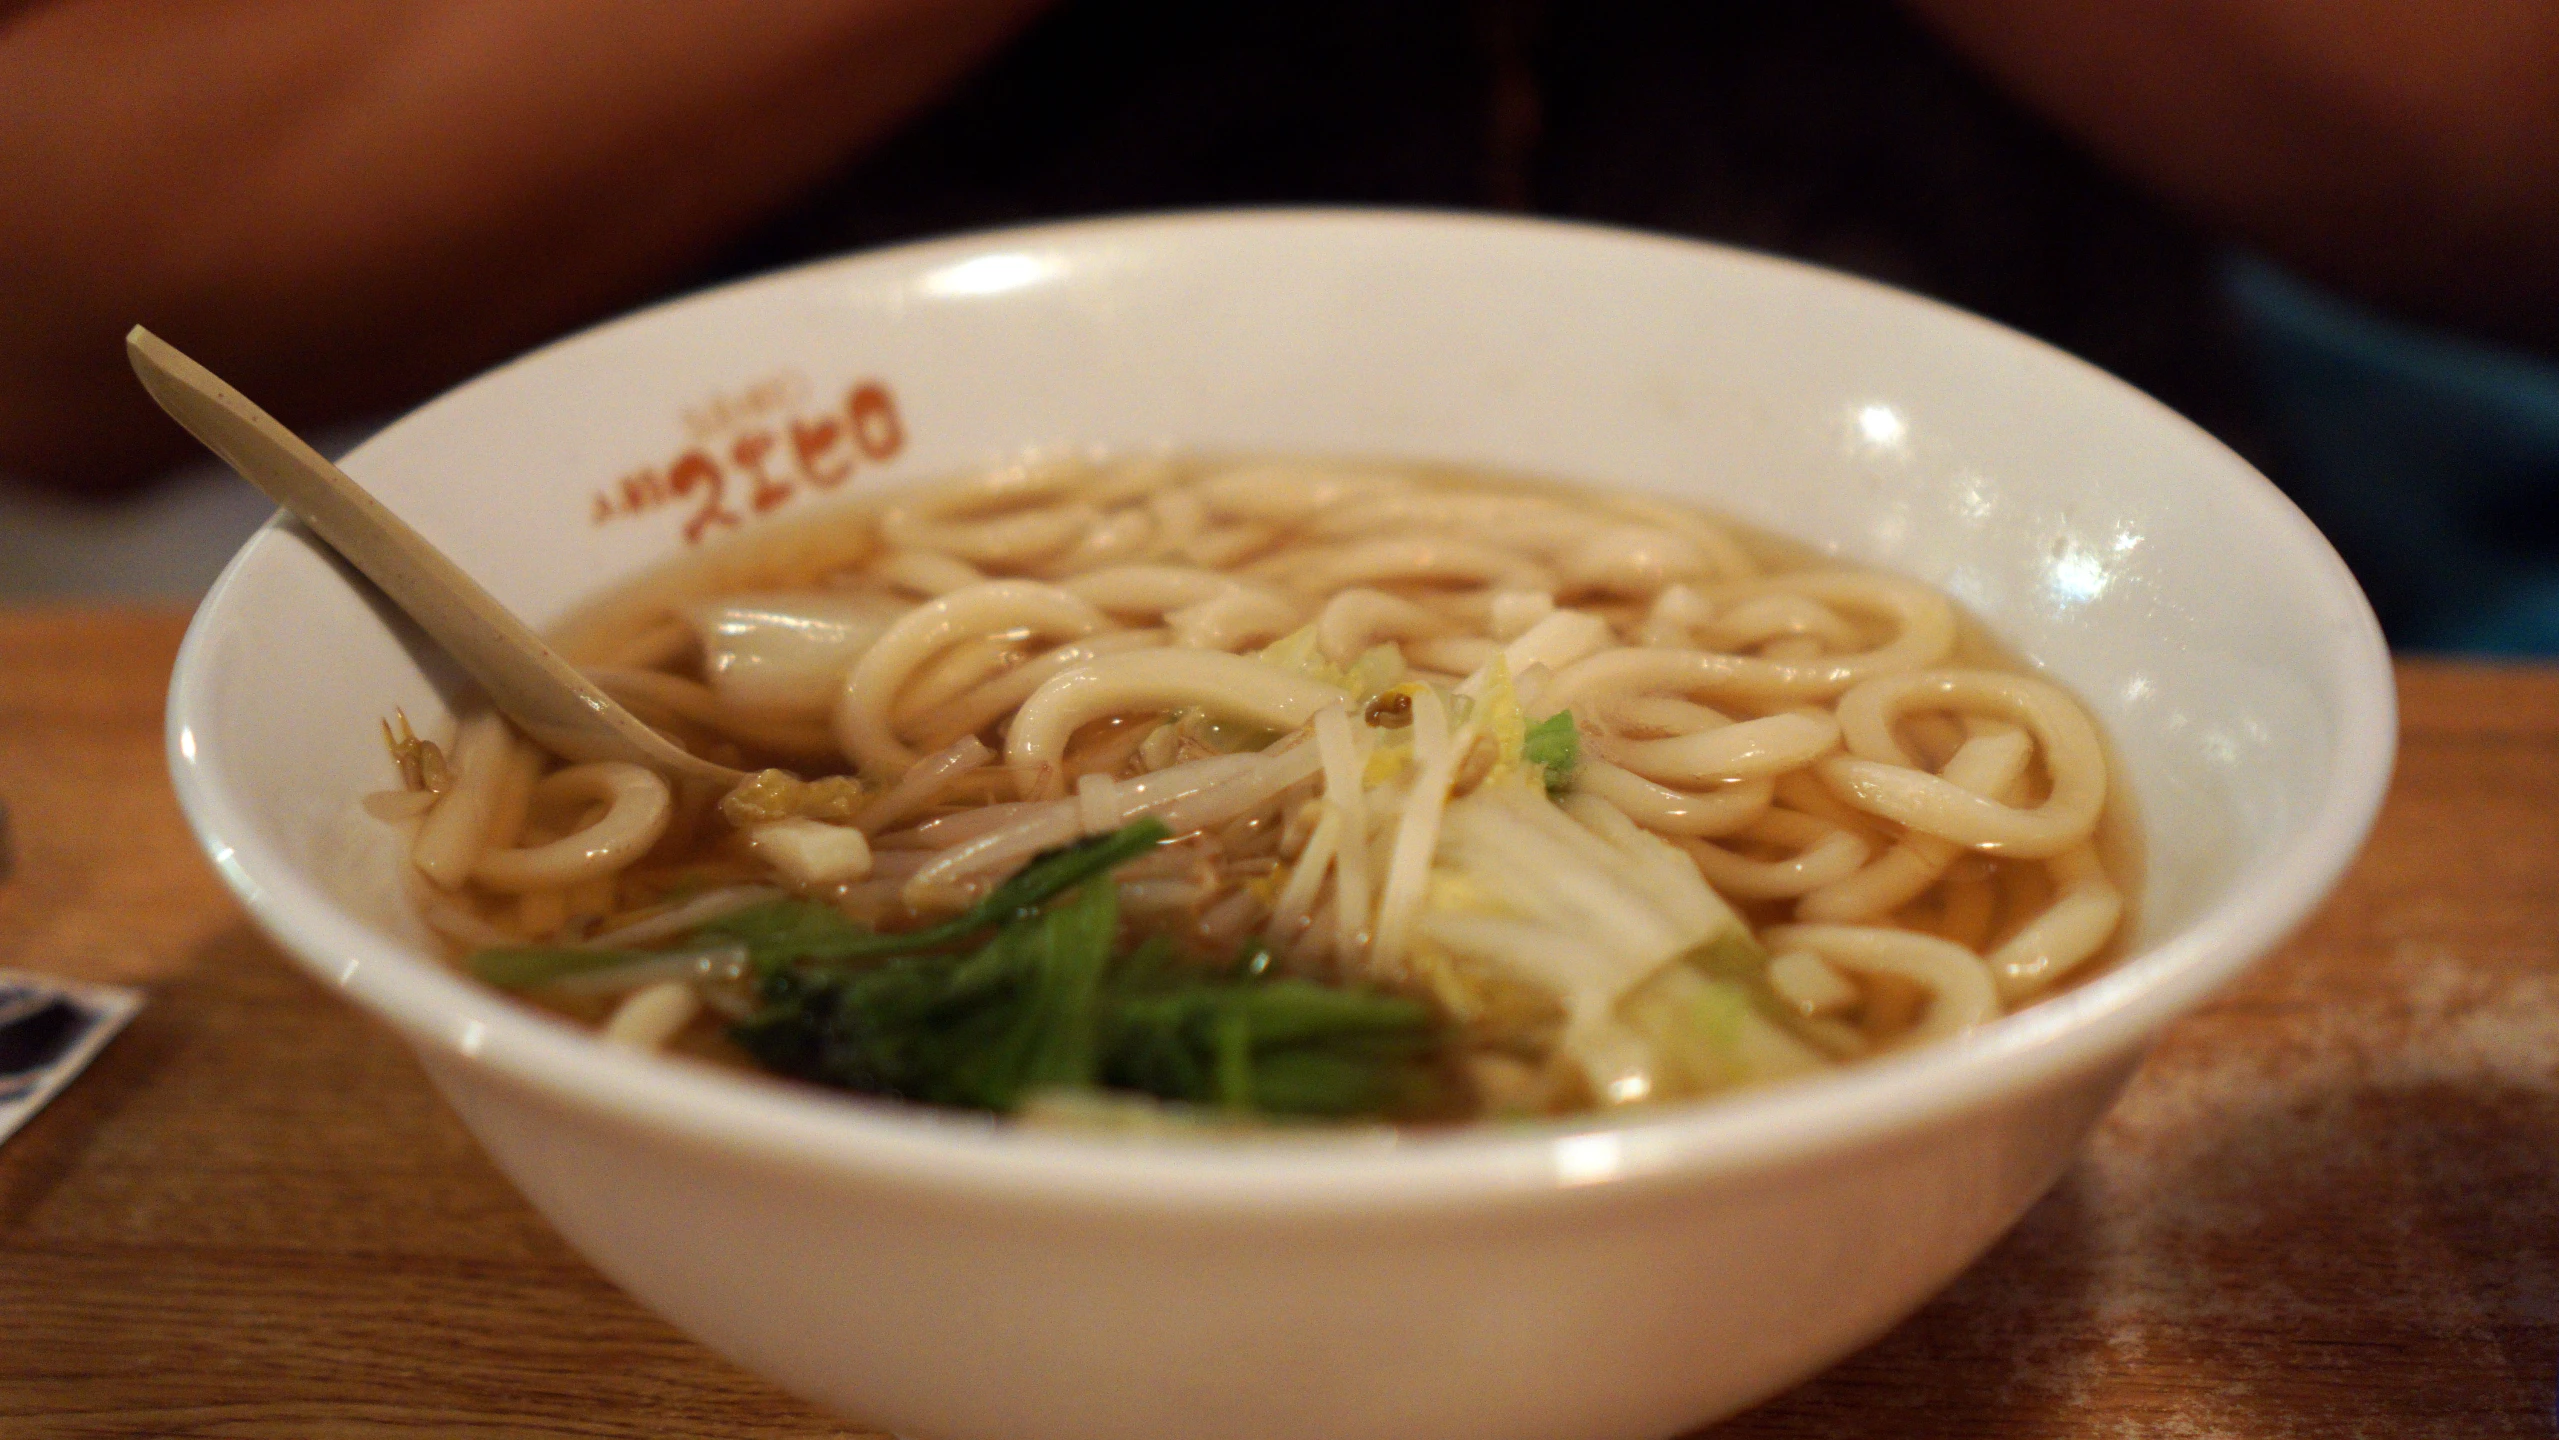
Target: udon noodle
{"x": 1148, "y": 788}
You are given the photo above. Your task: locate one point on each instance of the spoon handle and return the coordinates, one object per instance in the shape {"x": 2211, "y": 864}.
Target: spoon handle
{"x": 541, "y": 692}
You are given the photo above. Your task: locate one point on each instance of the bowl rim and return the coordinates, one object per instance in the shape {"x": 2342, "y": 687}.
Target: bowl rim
{"x": 747, "y": 1118}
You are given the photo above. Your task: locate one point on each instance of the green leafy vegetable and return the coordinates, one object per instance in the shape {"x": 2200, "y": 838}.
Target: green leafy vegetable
{"x": 524, "y": 967}
{"x": 786, "y": 932}
{"x": 1029, "y": 992}
{"x": 1044, "y": 1003}
{"x": 1555, "y": 745}
{"x": 1282, "y": 1047}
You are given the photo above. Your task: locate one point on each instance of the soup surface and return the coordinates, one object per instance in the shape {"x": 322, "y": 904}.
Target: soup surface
{"x": 1152, "y": 791}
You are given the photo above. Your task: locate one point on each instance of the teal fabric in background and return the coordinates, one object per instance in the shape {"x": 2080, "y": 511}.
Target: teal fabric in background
{"x": 2431, "y": 461}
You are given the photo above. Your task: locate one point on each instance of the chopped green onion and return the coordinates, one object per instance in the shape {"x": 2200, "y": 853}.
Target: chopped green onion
{"x": 1556, "y": 746}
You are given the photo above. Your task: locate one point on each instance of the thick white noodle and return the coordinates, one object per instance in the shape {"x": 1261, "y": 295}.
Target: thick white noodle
{"x": 392, "y": 807}
{"x": 1289, "y": 492}
{"x": 862, "y": 717}
{"x": 1147, "y": 590}
{"x": 1925, "y": 634}
{"x": 1557, "y": 641}
{"x": 1466, "y": 655}
{"x": 1633, "y": 560}
{"x": 1226, "y": 546}
{"x": 1357, "y": 619}
{"x": 1731, "y": 561}
{"x": 1179, "y": 516}
{"x": 456, "y": 832}
{"x": 637, "y": 807}
{"x": 1115, "y": 539}
{"x": 452, "y": 919}
{"x": 1510, "y": 614}
{"x": 1642, "y": 716}
{"x": 1000, "y": 696}
{"x": 647, "y": 690}
{"x": 1959, "y": 986}
{"x": 987, "y": 522}
{"x": 1426, "y": 560}
{"x": 1607, "y": 680}
{"x": 964, "y": 666}
{"x": 1763, "y": 618}
{"x": 1806, "y": 982}
{"x": 1921, "y": 621}
{"x": 923, "y": 783}
{"x": 2084, "y": 913}
{"x": 1746, "y": 750}
{"x": 513, "y": 801}
{"x": 1987, "y": 764}
{"x": 1720, "y": 811}
{"x": 1126, "y": 480}
{"x": 1232, "y": 687}
{"x": 1532, "y": 524}
{"x": 1233, "y": 620}
{"x": 1824, "y": 854}
{"x": 926, "y": 572}
{"x": 1672, "y": 620}
{"x": 1880, "y": 777}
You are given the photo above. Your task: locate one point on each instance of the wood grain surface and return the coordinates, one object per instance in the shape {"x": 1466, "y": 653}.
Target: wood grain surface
{"x": 2329, "y": 1206}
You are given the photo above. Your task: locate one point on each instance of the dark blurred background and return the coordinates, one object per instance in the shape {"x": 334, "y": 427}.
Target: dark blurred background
{"x": 2321, "y": 228}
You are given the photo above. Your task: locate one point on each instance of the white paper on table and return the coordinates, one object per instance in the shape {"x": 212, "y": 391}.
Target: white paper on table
{"x": 49, "y": 1030}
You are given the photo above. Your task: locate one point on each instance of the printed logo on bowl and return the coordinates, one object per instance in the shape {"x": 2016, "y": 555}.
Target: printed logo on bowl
{"x": 757, "y": 449}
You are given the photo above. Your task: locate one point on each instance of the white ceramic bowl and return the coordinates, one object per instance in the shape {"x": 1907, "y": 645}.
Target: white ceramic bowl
{"x": 1611, "y": 1279}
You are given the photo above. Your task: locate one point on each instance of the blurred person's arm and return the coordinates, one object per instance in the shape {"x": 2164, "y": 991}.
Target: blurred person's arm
{"x": 2409, "y": 151}
{"x": 341, "y": 205}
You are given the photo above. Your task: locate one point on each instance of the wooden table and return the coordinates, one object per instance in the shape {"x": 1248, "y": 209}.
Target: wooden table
{"x": 2329, "y": 1206}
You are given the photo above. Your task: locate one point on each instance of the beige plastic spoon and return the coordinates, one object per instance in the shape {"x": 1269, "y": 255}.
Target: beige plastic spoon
{"x": 542, "y": 693}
